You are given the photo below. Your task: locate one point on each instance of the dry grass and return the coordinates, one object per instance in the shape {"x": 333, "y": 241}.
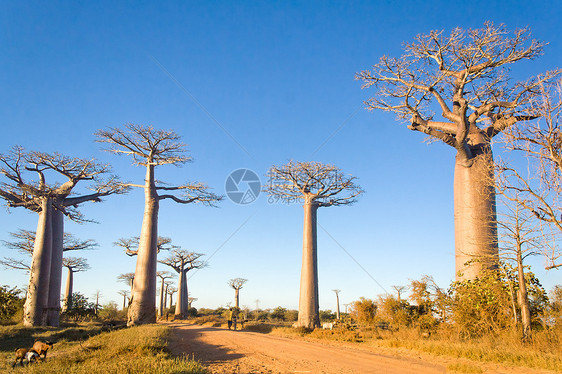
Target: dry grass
{"x": 140, "y": 349}
{"x": 543, "y": 352}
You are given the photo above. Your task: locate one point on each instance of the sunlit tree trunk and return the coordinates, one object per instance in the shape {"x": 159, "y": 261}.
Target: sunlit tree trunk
{"x": 143, "y": 306}
{"x": 181, "y": 301}
{"x": 237, "y": 297}
{"x": 161, "y": 304}
{"x": 523, "y": 297}
{"x": 308, "y": 300}
{"x": 36, "y": 302}
{"x": 165, "y": 299}
{"x": 338, "y": 306}
{"x": 68, "y": 290}
{"x": 476, "y": 239}
{"x": 53, "y": 313}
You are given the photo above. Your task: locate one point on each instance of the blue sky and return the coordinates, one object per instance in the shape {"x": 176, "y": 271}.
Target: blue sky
{"x": 277, "y": 76}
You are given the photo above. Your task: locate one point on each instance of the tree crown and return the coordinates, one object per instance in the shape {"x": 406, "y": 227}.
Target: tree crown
{"x": 313, "y": 182}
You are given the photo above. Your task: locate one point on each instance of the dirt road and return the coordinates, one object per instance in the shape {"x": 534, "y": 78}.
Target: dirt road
{"x": 225, "y": 351}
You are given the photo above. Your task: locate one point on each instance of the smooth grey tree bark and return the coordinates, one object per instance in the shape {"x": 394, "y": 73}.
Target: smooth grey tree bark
{"x": 35, "y": 307}
{"x": 74, "y": 265}
{"x": 337, "y": 292}
{"x": 54, "y": 307}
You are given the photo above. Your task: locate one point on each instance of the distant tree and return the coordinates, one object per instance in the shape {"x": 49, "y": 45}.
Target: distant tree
{"x": 399, "y": 290}
{"x": 278, "y": 313}
{"x": 317, "y": 185}
{"x": 151, "y": 148}
{"x": 190, "y": 300}
{"x": 464, "y": 77}
{"x": 128, "y": 279}
{"x": 364, "y": 310}
{"x": 9, "y": 302}
{"x": 237, "y": 284}
{"x": 131, "y": 245}
{"x": 171, "y": 291}
{"x": 51, "y": 202}
{"x": 163, "y": 275}
{"x": 125, "y": 295}
{"x": 74, "y": 265}
{"x": 80, "y": 308}
{"x": 183, "y": 261}
{"x": 337, "y": 292}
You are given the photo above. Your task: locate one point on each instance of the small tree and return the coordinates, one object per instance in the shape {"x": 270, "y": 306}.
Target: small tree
{"x": 183, "y": 261}
{"x": 151, "y": 148}
{"x": 237, "y": 284}
{"x": 74, "y": 265}
{"x": 463, "y": 77}
{"x": 128, "y": 279}
{"x": 125, "y": 295}
{"x": 364, "y": 310}
{"x": 316, "y": 185}
{"x": 9, "y": 302}
{"x": 163, "y": 275}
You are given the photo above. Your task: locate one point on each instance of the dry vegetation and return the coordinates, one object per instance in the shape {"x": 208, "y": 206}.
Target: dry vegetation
{"x": 88, "y": 349}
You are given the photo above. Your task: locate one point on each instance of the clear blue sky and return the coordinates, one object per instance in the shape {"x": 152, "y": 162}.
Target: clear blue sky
{"x": 278, "y": 76}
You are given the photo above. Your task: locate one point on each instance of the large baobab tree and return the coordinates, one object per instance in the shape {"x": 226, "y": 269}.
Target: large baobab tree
{"x": 337, "y": 292}
{"x": 237, "y": 284}
{"x": 464, "y": 77}
{"x": 163, "y": 275}
{"x": 73, "y": 265}
{"x": 316, "y": 185}
{"x": 538, "y": 187}
{"x": 51, "y": 201}
{"x": 151, "y": 148}
{"x": 182, "y": 262}
{"x": 190, "y": 300}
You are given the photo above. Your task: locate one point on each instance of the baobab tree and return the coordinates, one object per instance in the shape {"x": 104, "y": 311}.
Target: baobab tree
{"x": 151, "y": 148}
{"x": 316, "y": 185}
{"x": 337, "y": 292}
{"x": 399, "y": 290}
{"x": 182, "y": 262}
{"x": 171, "y": 291}
{"x": 74, "y": 265}
{"x": 464, "y": 76}
{"x": 23, "y": 241}
{"x": 125, "y": 295}
{"x": 51, "y": 202}
{"x": 131, "y": 245}
{"x": 237, "y": 284}
{"x": 190, "y": 300}
{"x": 128, "y": 279}
{"x": 163, "y": 275}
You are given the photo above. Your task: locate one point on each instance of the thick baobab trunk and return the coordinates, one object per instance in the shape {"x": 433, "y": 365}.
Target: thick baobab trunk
{"x": 308, "y": 300}
{"x": 124, "y": 301}
{"x": 237, "y": 297}
{"x": 55, "y": 282}
{"x": 171, "y": 299}
{"x": 161, "y": 304}
{"x": 68, "y": 290}
{"x": 165, "y": 297}
{"x": 181, "y": 302}
{"x": 36, "y": 302}
{"x": 476, "y": 238}
{"x": 523, "y": 298}
{"x": 143, "y": 306}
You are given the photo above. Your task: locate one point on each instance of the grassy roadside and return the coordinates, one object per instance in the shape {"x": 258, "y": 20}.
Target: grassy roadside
{"x": 86, "y": 349}
{"x": 542, "y": 353}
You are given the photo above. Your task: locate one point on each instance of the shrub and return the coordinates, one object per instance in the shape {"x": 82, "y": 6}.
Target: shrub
{"x": 10, "y": 302}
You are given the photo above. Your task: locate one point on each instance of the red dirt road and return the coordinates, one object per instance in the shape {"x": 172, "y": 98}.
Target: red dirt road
{"x": 224, "y": 351}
